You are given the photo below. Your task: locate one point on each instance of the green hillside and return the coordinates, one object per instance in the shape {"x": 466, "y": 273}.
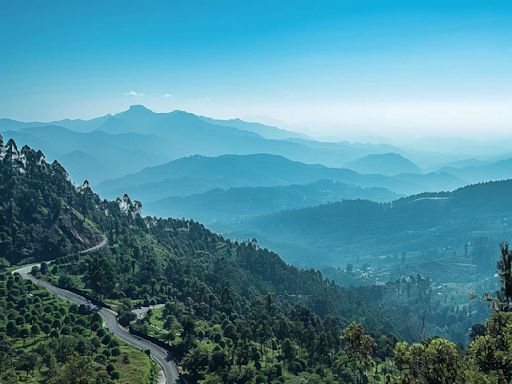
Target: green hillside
{"x": 226, "y": 206}
{"x": 337, "y": 233}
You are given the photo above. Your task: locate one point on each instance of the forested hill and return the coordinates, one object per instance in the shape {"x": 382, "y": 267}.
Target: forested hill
{"x": 360, "y": 227}
{"x": 234, "y": 204}
{"x": 41, "y": 212}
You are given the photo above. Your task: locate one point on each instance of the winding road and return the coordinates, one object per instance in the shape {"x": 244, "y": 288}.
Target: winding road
{"x": 109, "y": 319}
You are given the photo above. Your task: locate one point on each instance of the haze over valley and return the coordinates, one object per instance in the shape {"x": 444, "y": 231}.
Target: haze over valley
{"x": 317, "y": 203}
{"x": 255, "y": 192}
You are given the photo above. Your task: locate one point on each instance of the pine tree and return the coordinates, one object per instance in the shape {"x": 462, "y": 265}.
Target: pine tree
{"x": 101, "y": 276}
{"x": 505, "y": 273}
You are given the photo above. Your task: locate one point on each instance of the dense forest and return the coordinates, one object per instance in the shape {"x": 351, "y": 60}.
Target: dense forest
{"x": 230, "y": 311}
{"x": 423, "y": 225}
{"x": 39, "y": 207}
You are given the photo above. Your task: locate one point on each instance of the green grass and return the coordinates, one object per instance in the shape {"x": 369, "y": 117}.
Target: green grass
{"x": 134, "y": 365}
{"x": 157, "y": 318}
{"x": 157, "y": 328}
{"x": 87, "y": 222}
{"x": 155, "y": 369}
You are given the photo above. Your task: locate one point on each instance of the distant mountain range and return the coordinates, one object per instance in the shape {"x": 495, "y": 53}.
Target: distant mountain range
{"x": 168, "y": 136}
{"x": 234, "y": 204}
{"x": 221, "y": 171}
{"x": 199, "y": 174}
{"x": 497, "y": 170}
{"x": 337, "y": 233}
{"x": 269, "y": 132}
{"x": 95, "y": 155}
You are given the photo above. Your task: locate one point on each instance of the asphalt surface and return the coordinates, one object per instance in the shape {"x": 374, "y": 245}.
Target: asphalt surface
{"x": 143, "y": 311}
{"x": 96, "y": 247}
{"x": 109, "y": 319}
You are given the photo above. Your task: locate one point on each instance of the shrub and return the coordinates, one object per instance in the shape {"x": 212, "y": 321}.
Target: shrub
{"x": 116, "y": 351}
{"x": 101, "y": 359}
{"x": 115, "y": 375}
{"x": 54, "y": 334}
{"x": 106, "y": 339}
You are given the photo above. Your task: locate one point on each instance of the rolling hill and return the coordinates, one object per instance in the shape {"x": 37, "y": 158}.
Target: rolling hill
{"x": 497, "y": 170}
{"x": 386, "y": 164}
{"x": 334, "y": 234}
{"x": 230, "y": 205}
{"x": 197, "y": 174}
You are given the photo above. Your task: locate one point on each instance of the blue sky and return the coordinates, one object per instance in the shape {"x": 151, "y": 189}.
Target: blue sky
{"x": 328, "y": 67}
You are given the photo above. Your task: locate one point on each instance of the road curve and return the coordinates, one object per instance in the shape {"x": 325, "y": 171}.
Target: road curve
{"x": 96, "y": 247}
{"x": 110, "y": 320}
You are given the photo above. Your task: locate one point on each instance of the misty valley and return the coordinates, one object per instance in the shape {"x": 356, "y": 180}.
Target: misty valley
{"x": 255, "y": 192}
{"x": 252, "y": 266}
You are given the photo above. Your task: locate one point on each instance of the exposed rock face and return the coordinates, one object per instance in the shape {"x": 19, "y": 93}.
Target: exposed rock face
{"x": 85, "y": 186}
{"x": 126, "y": 205}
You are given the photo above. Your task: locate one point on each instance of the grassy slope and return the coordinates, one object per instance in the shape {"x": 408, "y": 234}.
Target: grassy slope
{"x": 138, "y": 370}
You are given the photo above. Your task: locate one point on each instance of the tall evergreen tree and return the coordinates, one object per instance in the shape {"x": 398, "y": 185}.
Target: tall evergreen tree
{"x": 101, "y": 276}
{"x": 505, "y": 273}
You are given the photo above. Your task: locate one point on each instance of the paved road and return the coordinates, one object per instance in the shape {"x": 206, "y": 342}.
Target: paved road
{"x": 96, "y": 247}
{"x": 143, "y": 311}
{"x": 110, "y": 320}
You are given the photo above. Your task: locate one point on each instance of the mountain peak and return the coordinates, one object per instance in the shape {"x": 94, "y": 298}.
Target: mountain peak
{"x": 126, "y": 205}
{"x": 139, "y": 108}
{"x": 136, "y": 114}
{"x": 136, "y": 111}
{"x": 183, "y": 114}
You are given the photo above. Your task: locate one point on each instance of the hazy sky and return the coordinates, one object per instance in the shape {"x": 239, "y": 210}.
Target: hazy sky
{"x": 383, "y": 67}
